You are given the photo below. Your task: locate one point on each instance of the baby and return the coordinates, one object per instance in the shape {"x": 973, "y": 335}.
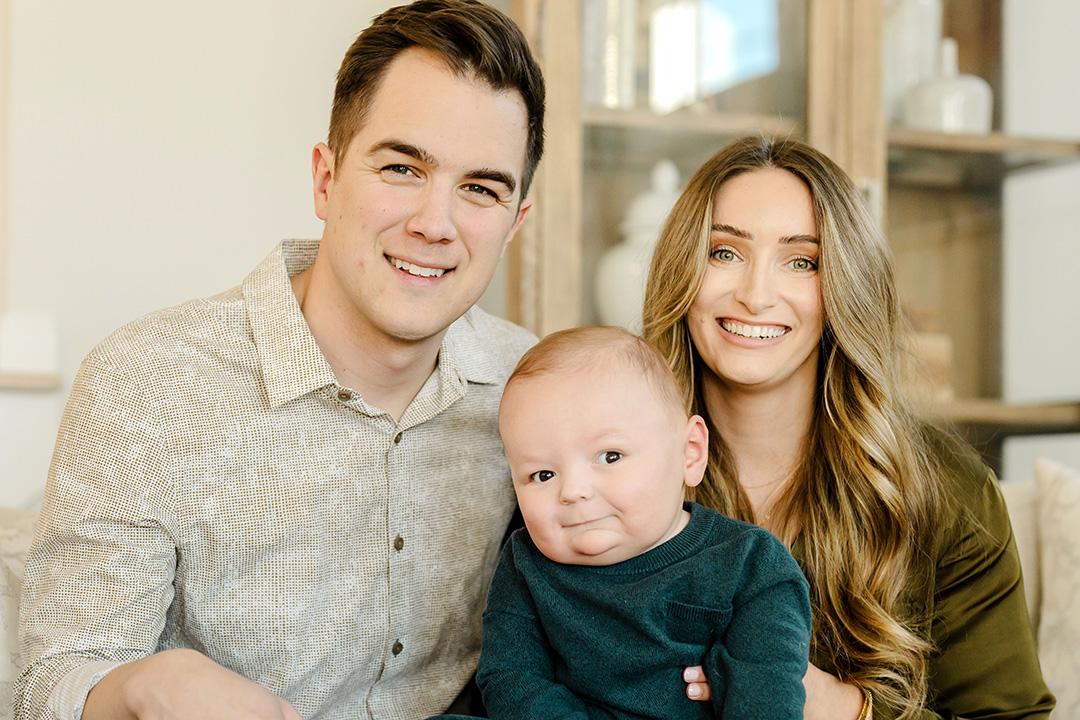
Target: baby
{"x": 618, "y": 584}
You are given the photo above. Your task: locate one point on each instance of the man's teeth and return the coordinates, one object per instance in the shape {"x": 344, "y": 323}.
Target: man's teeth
{"x": 418, "y": 270}
{"x": 752, "y": 331}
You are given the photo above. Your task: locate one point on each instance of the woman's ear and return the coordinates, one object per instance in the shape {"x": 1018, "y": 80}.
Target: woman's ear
{"x": 696, "y": 451}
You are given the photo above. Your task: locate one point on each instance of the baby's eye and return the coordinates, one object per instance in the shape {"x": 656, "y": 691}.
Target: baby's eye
{"x": 542, "y": 476}
{"x": 609, "y": 457}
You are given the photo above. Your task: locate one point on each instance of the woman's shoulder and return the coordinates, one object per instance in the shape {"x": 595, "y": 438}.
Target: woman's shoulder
{"x": 971, "y": 505}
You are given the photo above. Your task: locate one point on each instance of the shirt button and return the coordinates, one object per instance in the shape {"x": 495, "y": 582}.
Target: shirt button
{"x": 397, "y": 438}
{"x": 397, "y": 648}
{"x": 399, "y": 542}
{"x": 344, "y": 395}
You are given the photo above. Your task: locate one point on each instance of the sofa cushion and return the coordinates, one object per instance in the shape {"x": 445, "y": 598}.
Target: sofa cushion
{"x": 1020, "y": 499}
{"x": 16, "y": 532}
{"x": 1058, "y": 489}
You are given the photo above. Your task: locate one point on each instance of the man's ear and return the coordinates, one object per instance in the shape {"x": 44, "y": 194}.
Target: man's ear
{"x": 696, "y": 451}
{"x": 322, "y": 177}
{"x": 523, "y": 210}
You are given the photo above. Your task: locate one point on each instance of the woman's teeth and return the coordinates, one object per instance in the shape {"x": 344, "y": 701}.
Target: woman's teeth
{"x": 753, "y": 331}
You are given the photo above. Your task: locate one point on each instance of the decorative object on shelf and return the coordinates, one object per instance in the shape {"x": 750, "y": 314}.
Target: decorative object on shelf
{"x": 620, "y": 282}
{"x": 912, "y": 39}
{"x": 951, "y": 102}
{"x": 609, "y": 28}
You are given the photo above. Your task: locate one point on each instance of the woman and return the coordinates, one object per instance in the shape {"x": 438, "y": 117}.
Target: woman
{"x": 771, "y": 294}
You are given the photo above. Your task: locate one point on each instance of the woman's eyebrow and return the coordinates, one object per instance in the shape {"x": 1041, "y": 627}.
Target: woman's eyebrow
{"x": 795, "y": 239}
{"x": 731, "y": 230}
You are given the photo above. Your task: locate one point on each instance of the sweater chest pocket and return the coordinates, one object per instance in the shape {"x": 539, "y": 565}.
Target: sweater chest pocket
{"x": 695, "y": 624}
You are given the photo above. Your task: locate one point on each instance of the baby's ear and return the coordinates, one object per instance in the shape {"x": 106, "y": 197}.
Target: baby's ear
{"x": 696, "y": 451}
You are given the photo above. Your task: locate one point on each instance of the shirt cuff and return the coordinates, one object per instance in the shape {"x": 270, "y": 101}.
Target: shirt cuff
{"x": 69, "y": 696}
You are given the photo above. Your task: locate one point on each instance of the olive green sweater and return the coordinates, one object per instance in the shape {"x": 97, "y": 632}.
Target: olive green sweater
{"x": 574, "y": 642}
{"x": 985, "y": 665}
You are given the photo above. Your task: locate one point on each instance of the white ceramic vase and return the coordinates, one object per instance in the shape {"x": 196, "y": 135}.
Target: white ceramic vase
{"x": 951, "y": 102}
{"x": 623, "y": 270}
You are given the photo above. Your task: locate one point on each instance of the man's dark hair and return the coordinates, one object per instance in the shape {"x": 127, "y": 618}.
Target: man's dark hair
{"x": 473, "y": 39}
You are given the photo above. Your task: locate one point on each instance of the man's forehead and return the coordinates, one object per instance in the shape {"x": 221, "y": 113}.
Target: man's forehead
{"x": 457, "y": 119}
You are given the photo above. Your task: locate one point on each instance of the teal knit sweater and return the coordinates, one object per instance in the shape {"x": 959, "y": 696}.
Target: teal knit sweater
{"x": 576, "y": 642}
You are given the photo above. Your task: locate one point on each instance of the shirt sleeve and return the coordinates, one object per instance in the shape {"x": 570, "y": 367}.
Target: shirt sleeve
{"x": 986, "y": 664}
{"x": 99, "y": 574}
{"x": 516, "y": 674}
{"x": 761, "y": 659}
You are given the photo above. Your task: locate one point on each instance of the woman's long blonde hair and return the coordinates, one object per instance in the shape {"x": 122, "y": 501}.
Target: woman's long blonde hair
{"x": 865, "y": 490}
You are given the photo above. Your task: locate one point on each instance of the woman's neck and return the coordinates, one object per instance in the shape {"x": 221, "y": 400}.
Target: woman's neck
{"x": 766, "y": 432}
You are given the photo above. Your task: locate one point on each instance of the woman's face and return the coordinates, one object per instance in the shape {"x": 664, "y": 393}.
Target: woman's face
{"x": 757, "y": 320}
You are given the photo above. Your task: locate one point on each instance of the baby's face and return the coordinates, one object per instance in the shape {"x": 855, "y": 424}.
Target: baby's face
{"x": 599, "y": 464}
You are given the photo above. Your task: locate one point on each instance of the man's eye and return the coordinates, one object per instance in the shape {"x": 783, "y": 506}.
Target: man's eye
{"x": 480, "y": 194}
{"x": 397, "y": 169}
{"x": 542, "y": 476}
{"x": 609, "y": 457}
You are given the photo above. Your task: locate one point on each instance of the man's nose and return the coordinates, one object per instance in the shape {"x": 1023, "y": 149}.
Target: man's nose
{"x": 432, "y": 218}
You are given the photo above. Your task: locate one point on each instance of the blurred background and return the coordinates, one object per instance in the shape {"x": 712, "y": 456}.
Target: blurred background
{"x": 153, "y": 153}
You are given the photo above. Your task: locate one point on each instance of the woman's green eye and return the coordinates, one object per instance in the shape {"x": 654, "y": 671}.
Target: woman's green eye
{"x": 724, "y": 254}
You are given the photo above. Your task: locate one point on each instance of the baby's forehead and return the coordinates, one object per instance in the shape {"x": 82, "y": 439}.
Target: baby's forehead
{"x": 608, "y": 375}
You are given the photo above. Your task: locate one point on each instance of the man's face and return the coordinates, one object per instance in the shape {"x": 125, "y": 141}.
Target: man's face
{"x": 599, "y": 463}
{"x": 424, "y": 201}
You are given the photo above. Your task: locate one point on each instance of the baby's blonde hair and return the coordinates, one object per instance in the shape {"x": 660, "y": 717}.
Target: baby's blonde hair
{"x": 598, "y": 347}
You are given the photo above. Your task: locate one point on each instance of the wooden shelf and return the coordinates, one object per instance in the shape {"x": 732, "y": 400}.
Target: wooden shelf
{"x": 918, "y": 157}
{"x": 20, "y": 380}
{"x": 1030, "y": 418}
{"x": 712, "y": 123}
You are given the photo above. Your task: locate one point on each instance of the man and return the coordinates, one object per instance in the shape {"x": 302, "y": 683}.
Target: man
{"x": 286, "y": 500}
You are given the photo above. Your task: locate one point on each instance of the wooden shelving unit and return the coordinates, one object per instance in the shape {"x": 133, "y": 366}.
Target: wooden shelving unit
{"x": 918, "y": 157}
{"x": 716, "y": 123}
{"x": 1041, "y": 418}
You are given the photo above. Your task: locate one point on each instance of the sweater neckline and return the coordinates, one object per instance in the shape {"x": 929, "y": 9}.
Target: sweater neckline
{"x": 685, "y": 544}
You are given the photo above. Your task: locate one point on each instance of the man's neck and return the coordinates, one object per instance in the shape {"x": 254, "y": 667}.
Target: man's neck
{"x": 387, "y": 372}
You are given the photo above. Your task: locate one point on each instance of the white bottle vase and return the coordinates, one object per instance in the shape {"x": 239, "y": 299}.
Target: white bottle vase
{"x": 951, "y": 103}
{"x": 912, "y": 42}
{"x": 624, "y": 268}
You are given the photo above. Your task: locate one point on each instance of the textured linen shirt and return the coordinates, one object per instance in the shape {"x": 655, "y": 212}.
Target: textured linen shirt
{"x": 213, "y": 487}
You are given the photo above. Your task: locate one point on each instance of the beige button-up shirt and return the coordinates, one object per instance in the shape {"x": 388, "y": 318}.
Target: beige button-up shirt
{"x": 213, "y": 487}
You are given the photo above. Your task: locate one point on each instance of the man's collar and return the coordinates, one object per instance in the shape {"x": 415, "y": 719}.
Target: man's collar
{"x": 292, "y": 363}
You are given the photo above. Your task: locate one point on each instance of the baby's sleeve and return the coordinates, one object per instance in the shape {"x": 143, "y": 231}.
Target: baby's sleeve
{"x": 759, "y": 661}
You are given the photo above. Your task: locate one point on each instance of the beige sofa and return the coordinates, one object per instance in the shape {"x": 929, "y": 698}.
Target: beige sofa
{"x": 1046, "y": 521}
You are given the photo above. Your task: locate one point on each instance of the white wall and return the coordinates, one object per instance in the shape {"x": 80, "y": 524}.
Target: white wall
{"x": 1041, "y": 215}
{"x": 158, "y": 151}
{"x": 1041, "y": 225}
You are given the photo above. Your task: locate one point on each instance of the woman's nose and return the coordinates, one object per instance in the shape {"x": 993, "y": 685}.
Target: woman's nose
{"x": 756, "y": 290}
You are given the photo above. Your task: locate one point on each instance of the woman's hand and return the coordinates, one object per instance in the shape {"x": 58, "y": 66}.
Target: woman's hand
{"x": 827, "y": 697}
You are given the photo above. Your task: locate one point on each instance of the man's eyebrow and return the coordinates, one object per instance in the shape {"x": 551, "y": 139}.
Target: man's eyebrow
{"x": 400, "y": 146}
{"x": 495, "y": 176}
{"x": 785, "y": 240}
